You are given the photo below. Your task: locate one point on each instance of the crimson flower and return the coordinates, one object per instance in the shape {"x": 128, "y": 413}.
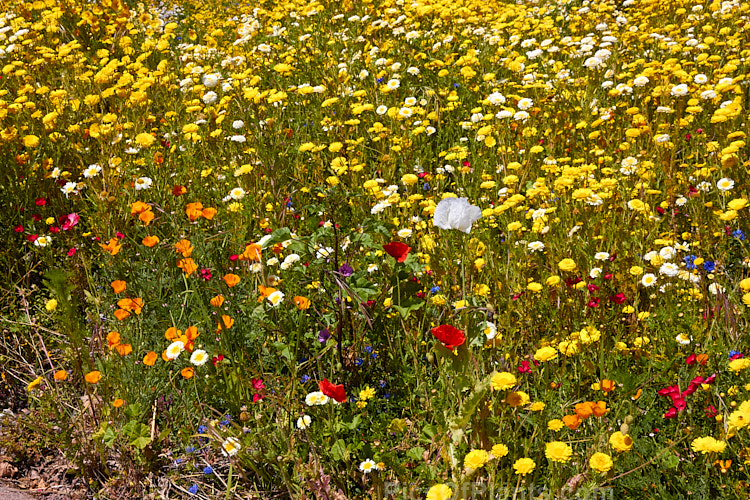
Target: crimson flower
{"x": 397, "y": 250}
{"x": 336, "y": 392}
{"x": 450, "y": 337}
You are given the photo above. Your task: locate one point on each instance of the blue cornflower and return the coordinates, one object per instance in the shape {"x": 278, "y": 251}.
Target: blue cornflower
{"x": 190, "y": 449}
{"x": 202, "y": 429}
{"x": 368, "y": 349}
{"x": 208, "y": 470}
{"x": 739, "y": 234}
{"x": 426, "y": 186}
{"x": 689, "y": 262}
{"x": 380, "y": 80}
{"x": 709, "y": 266}
{"x": 455, "y": 85}
{"x": 304, "y": 379}
{"x": 435, "y": 289}
{"x": 374, "y": 355}
{"x": 193, "y": 489}
{"x": 358, "y": 361}
{"x": 382, "y": 384}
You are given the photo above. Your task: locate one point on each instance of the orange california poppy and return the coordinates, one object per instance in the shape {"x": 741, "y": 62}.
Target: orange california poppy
{"x": 118, "y": 286}
{"x": 146, "y": 217}
{"x": 187, "y": 373}
{"x": 584, "y": 410}
{"x": 113, "y": 339}
{"x": 231, "y": 279}
{"x": 172, "y": 333}
{"x": 124, "y": 349}
{"x": 138, "y": 207}
{"x": 61, "y": 375}
{"x": 252, "y": 252}
{"x": 608, "y": 385}
{"x": 150, "y": 358}
{"x": 302, "y": 303}
{"x": 184, "y": 247}
{"x": 571, "y": 422}
{"x": 117, "y": 403}
{"x": 111, "y": 247}
{"x": 217, "y": 301}
{"x": 188, "y": 266}
{"x": 93, "y": 377}
{"x": 121, "y": 314}
{"x": 600, "y": 408}
{"x": 194, "y": 210}
{"x": 150, "y": 241}
{"x": 208, "y": 213}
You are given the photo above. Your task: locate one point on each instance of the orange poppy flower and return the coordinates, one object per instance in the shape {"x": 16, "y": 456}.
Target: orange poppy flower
{"x": 113, "y": 339}
{"x": 600, "y": 408}
{"x": 132, "y": 305}
{"x": 187, "y": 373}
{"x": 252, "y": 252}
{"x": 188, "y": 266}
{"x": 608, "y": 385}
{"x": 164, "y": 355}
{"x": 146, "y": 217}
{"x": 194, "y": 210}
{"x": 231, "y": 279}
{"x": 208, "y": 213}
{"x": 227, "y": 320}
{"x": 117, "y": 403}
{"x": 61, "y": 375}
{"x": 150, "y": 358}
{"x": 571, "y": 422}
{"x": 123, "y": 349}
{"x": 184, "y": 247}
{"x": 138, "y": 207}
{"x": 584, "y": 410}
{"x": 172, "y": 333}
{"x": 112, "y": 247}
{"x": 121, "y": 314}
{"x": 217, "y": 301}
{"x": 178, "y": 190}
{"x": 150, "y": 241}
{"x": 93, "y": 377}
{"x": 302, "y": 303}
{"x": 118, "y": 286}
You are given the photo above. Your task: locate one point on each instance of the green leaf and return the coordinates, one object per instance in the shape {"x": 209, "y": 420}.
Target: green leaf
{"x": 339, "y": 451}
{"x": 109, "y": 437}
{"x": 415, "y": 453}
{"x": 407, "y": 306}
{"x": 279, "y": 236}
{"x": 142, "y": 438}
{"x": 398, "y": 425}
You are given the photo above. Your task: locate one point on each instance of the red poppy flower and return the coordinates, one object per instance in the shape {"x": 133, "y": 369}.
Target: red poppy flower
{"x": 336, "y": 392}
{"x": 450, "y": 337}
{"x": 397, "y": 250}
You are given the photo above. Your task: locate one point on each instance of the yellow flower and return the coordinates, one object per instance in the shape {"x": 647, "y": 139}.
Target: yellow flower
{"x": 523, "y": 466}
{"x": 555, "y": 424}
{"x": 601, "y": 462}
{"x": 34, "y": 384}
{"x": 567, "y": 265}
{"x": 440, "y": 492}
{"x": 621, "y": 442}
{"x": 51, "y": 305}
{"x": 476, "y": 459}
{"x": 516, "y": 399}
{"x": 499, "y": 450}
{"x": 31, "y": 141}
{"x": 737, "y": 365}
{"x": 367, "y": 393}
{"x": 503, "y": 381}
{"x": 144, "y": 140}
{"x": 708, "y": 444}
{"x": 557, "y": 451}
{"x": 537, "y": 406}
{"x": 545, "y": 354}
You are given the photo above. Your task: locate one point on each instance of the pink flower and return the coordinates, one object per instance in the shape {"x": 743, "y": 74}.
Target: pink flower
{"x": 258, "y": 384}
{"x": 70, "y": 221}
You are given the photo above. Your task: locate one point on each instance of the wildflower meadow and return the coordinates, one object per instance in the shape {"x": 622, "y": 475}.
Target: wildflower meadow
{"x": 435, "y": 249}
